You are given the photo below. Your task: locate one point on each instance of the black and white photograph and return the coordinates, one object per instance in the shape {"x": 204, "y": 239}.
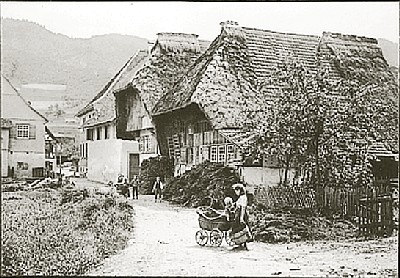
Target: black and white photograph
{"x": 199, "y": 139}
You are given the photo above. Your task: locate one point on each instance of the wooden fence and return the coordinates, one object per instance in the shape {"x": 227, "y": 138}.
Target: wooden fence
{"x": 371, "y": 207}
{"x": 277, "y": 197}
{"x": 346, "y": 201}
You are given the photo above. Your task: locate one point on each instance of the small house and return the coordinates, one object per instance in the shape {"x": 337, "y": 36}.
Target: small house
{"x": 22, "y": 136}
{"x": 103, "y": 156}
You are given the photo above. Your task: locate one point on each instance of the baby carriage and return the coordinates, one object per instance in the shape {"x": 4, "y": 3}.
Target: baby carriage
{"x": 214, "y": 227}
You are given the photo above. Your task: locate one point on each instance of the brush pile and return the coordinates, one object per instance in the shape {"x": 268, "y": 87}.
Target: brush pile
{"x": 298, "y": 225}
{"x": 207, "y": 184}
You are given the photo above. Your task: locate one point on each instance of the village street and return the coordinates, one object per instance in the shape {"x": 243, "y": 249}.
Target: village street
{"x": 163, "y": 244}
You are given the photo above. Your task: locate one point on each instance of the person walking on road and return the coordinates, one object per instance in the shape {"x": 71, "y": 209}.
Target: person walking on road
{"x": 133, "y": 188}
{"x": 157, "y": 189}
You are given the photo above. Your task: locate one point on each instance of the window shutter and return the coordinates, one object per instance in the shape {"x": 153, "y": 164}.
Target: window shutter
{"x": 13, "y": 132}
{"x": 32, "y": 131}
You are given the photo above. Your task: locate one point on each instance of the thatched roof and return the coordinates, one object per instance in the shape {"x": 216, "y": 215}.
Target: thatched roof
{"x": 356, "y": 57}
{"x": 104, "y": 102}
{"x": 231, "y": 84}
{"x": 224, "y": 81}
{"x": 170, "y": 57}
{"x": 177, "y": 42}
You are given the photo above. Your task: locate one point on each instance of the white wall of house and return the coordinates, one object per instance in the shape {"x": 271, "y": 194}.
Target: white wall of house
{"x": 5, "y": 136}
{"x": 263, "y": 175}
{"x": 108, "y": 158}
{"x": 27, "y": 133}
{"x": 27, "y": 153}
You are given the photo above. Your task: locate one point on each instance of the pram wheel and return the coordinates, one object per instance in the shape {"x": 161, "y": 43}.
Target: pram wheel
{"x": 201, "y": 237}
{"x": 216, "y": 237}
{"x": 228, "y": 238}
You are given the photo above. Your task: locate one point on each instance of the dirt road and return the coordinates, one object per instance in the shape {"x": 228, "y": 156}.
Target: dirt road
{"x": 164, "y": 245}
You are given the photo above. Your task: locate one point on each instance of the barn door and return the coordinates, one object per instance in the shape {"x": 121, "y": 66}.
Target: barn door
{"x": 134, "y": 167}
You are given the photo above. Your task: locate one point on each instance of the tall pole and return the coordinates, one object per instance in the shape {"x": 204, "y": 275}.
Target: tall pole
{"x": 59, "y": 150}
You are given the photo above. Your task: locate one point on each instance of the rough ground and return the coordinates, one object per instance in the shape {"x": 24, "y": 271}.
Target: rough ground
{"x": 163, "y": 244}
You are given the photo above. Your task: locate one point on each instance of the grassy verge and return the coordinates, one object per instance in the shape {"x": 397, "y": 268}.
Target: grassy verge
{"x": 61, "y": 232}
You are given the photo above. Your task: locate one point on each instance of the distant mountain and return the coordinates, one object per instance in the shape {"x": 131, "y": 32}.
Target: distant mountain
{"x": 32, "y": 54}
{"x": 390, "y": 51}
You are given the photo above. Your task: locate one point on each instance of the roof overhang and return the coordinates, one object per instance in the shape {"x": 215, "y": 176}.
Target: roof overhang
{"x": 95, "y": 124}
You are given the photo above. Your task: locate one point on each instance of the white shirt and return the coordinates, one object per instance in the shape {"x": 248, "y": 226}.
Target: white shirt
{"x": 242, "y": 201}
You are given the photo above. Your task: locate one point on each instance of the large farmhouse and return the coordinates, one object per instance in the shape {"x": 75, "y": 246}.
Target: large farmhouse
{"x": 117, "y": 127}
{"x": 218, "y": 107}
{"x": 137, "y": 92}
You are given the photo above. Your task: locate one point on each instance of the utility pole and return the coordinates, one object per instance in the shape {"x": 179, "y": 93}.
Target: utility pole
{"x": 59, "y": 151}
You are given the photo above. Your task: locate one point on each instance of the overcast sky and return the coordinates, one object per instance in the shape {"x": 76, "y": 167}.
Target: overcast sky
{"x": 145, "y": 19}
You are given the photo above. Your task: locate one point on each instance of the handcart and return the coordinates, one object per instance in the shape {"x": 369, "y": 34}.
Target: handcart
{"x": 214, "y": 227}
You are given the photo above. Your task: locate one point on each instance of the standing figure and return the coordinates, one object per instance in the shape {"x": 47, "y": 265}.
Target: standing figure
{"x": 241, "y": 233}
{"x": 157, "y": 189}
{"x": 133, "y": 187}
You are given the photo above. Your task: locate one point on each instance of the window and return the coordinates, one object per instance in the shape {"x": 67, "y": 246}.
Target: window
{"x": 213, "y": 156}
{"x": 221, "y": 154}
{"x": 98, "y": 131}
{"x": 22, "y": 166}
{"x": 189, "y": 155}
{"x": 106, "y": 132}
{"x": 190, "y": 138}
{"x": 22, "y": 131}
{"x": 89, "y": 134}
{"x": 230, "y": 152}
{"x": 145, "y": 144}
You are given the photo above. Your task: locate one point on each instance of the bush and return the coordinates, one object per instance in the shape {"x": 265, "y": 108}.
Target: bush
{"x": 42, "y": 237}
{"x": 207, "y": 183}
{"x": 13, "y": 187}
{"x": 73, "y": 195}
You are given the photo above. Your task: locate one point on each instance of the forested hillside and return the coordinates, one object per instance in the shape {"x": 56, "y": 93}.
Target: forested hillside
{"x": 32, "y": 54}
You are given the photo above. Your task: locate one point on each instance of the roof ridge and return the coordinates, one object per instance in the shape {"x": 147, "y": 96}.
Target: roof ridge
{"x": 277, "y": 32}
{"x": 349, "y": 37}
{"x": 110, "y": 83}
{"x": 24, "y": 100}
{"x": 206, "y": 56}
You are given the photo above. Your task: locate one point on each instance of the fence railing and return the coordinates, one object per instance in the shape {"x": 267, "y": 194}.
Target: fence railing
{"x": 370, "y": 206}
{"x": 276, "y": 197}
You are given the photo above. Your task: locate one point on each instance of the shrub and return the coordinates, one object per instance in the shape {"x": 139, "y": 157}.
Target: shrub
{"x": 42, "y": 237}
{"x": 207, "y": 183}
{"x": 73, "y": 195}
{"x": 13, "y": 187}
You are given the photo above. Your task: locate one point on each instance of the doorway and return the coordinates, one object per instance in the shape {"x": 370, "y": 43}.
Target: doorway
{"x": 134, "y": 167}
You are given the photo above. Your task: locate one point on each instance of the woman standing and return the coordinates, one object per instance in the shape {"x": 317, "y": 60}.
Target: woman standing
{"x": 241, "y": 233}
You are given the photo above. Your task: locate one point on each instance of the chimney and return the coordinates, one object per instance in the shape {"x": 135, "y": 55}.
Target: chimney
{"x": 150, "y": 45}
{"x": 229, "y": 24}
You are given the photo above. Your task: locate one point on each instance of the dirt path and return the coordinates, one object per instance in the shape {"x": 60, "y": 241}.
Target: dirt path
{"x": 164, "y": 245}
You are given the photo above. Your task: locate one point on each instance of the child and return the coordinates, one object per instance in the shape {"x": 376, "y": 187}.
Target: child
{"x": 229, "y": 209}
